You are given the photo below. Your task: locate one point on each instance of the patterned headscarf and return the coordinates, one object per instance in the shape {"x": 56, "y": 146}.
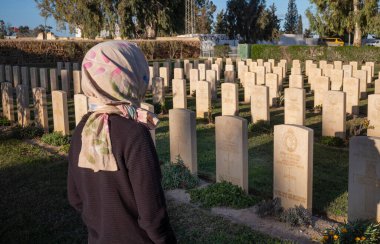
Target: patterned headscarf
{"x": 115, "y": 76}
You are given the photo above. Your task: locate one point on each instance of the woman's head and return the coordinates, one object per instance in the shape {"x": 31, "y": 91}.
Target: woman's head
{"x": 115, "y": 72}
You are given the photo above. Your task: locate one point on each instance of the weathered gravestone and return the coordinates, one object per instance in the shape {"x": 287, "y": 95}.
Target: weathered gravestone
{"x": 202, "y": 71}
{"x": 313, "y": 74}
{"x": 23, "y": 111}
{"x": 271, "y": 81}
{"x": 203, "y": 99}
{"x": 338, "y": 65}
{"x": 293, "y": 165}
{"x": 364, "y": 178}
{"x": 179, "y": 93}
{"x": 230, "y": 99}
{"x": 231, "y": 139}
{"x": 194, "y": 78}
{"x": 296, "y": 81}
{"x": 260, "y": 75}
{"x": 77, "y": 76}
{"x": 369, "y": 72}
{"x": 44, "y": 78}
{"x": 336, "y": 79}
{"x": 334, "y": 114}
{"x": 229, "y": 76}
{"x": 321, "y": 86}
{"x": 183, "y": 138}
{"x": 250, "y": 81}
{"x": 8, "y": 74}
{"x": 40, "y": 108}
{"x": 351, "y": 88}
{"x": 60, "y": 114}
{"x": 16, "y": 76}
{"x": 347, "y": 71}
{"x": 34, "y": 77}
{"x": 80, "y": 106}
{"x": 362, "y": 76}
{"x": 260, "y": 103}
{"x": 7, "y": 100}
{"x": 53, "y": 80}
{"x": 295, "y": 105}
{"x": 65, "y": 82}
{"x": 164, "y": 75}
{"x": 211, "y": 77}
{"x": 374, "y": 115}
{"x": 25, "y": 78}
{"x": 178, "y": 73}
{"x": 158, "y": 90}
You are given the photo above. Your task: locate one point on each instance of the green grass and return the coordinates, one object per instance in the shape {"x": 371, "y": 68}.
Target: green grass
{"x": 34, "y": 206}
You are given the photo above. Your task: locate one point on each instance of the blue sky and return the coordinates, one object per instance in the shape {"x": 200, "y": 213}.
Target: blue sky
{"x": 25, "y": 12}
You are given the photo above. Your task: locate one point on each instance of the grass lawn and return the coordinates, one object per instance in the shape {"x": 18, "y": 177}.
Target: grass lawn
{"x": 34, "y": 207}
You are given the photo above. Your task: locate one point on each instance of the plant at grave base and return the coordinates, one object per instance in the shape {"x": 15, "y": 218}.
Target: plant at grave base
{"x": 297, "y": 216}
{"x": 280, "y": 99}
{"x": 318, "y": 109}
{"x": 194, "y": 93}
{"x": 269, "y": 208}
{"x": 65, "y": 148}
{"x": 209, "y": 114}
{"x": 223, "y": 194}
{"x": 359, "y": 126}
{"x": 27, "y": 132}
{"x": 177, "y": 175}
{"x": 353, "y": 232}
{"x": 55, "y": 139}
{"x": 260, "y": 127}
{"x": 4, "y": 121}
{"x": 333, "y": 141}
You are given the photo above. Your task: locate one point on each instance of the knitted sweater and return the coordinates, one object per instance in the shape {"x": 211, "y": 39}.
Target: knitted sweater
{"x": 124, "y": 206}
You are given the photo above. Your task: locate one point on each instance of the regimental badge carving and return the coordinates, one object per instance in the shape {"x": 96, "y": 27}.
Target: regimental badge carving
{"x": 290, "y": 141}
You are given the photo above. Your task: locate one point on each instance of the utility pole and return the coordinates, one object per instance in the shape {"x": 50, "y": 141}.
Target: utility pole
{"x": 190, "y": 16}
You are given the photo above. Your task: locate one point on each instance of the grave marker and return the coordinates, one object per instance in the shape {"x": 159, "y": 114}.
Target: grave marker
{"x": 203, "y": 99}
{"x": 158, "y": 90}
{"x": 321, "y": 86}
{"x": 295, "y": 104}
{"x": 230, "y": 99}
{"x": 179, "y": 93}
{"x": 351, "y": 88}
{"x": 60, "y": 114}
{"x": 260, "y": 103}
{"x": 40, "y": 108}
{"x": 80, "y": 106}
{"x": 334, "y": 114}
{"x": 296, "y": 81}
{"x": 374, "y": 115}
{"x": 7, "y": 100}
{"x": 23, "y": 111}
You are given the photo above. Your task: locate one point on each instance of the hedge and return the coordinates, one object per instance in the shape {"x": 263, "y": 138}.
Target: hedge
{"x": 316, "y": 53}
{"x": 48, "y": 53}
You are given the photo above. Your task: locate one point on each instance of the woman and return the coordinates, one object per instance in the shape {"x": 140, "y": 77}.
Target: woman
{"x": 114, "y": 177}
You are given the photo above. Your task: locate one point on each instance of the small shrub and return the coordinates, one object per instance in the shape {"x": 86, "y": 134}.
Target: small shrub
{"x": 222, "y": 194}
{"x": 221, "y": 50}
{"x": 353, "y": 232}
{"x": 28, "y": 132}
{"x": 260, "y": 127}
{"x": 280, "y": 100}
{"x": 55, "y": 139}
{"x": 297, "y": 216}
{"x": 209, "y": 115}
{"x": 177, "y": 175}
{"x": 4, "y": 121}
{"x": 332, "y": 141}
{"x": 358, "y": 127}
{"x": 269, "y": 208}
{"x": 65, "y": 148}
{"x": 318, "y": 109}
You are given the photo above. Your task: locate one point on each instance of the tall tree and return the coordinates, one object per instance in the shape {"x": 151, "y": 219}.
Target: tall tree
{"x": 340, "y": 17}
{"x": 221, "y": 23}
{"x": 3, "y": 30}
{"x": 291, "y": 17}
{"x": 299, "y": 25}
{"x": 204, "y": 16}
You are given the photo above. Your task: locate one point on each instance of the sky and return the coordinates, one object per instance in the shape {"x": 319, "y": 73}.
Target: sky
{"x": 25, "y": 12}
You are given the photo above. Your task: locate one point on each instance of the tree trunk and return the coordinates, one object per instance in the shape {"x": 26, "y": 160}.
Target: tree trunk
{"x": 349, "y": 38}
{"x": 358, "y": 31}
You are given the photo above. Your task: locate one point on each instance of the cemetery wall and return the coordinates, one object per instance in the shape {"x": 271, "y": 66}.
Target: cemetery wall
{"x": 316, "y": 53}
{"x": 47, "y": 53}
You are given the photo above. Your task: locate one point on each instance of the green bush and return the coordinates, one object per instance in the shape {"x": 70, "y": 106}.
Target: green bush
{"x": 177, "y": 176}
{"x": 28, "y": 132}
{"x": 297, "y": 216}
{"x": 55, "y": 139}
{"x": 332, "y": 141}
{"x": 221, "y": 50}
{"x": 4, "y": 121}
{"x": 316, "y": 53}
{"x": 269, "y": 208}
{"x": 222, "y": 194}
{"x": 353, "y": 232}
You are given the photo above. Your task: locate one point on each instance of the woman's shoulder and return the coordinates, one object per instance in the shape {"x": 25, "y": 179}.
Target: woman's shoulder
{"x": 123, "y": 125}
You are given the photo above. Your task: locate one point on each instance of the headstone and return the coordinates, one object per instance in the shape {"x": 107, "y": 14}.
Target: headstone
{"x": 23, "y": 111}
{"x": 296, "y": 63}
{"x": 295, "y": 105}
{"x": 336, "y": 79}
{"x": 34, "y": 77}
{"x": 354, "y": 65}
{"x": 168, "y": 70}
{"x": 80, "y": 106}
{"x": 8, "y": 74}
{"x": 252, "y": 66}
{"x": 183, "y": 137}
{"x": 177, "y": 65}
{"x": 25, "y": 78}
{"x": 178, "y": 73}
{"x": 179, "y": 93}
{"x": 77, "y": 76}
{"x": 313, "y": 74}
{"x": 16, "y": 76}
{"x": 186, "y": 67}
{"x": 296, "y": 81}
{"x": 230, "y": 99}
{"x": 372, "y": 65}
{"x": 76, "y": 66}
{"x": 2, "y": 73}
{"x": 196, "y": 63}
{"x": 231, "y": 139}
{"x": 362, "y": 76}
{"x": 377, "y": 86}
{"x": 229, "y": 67}
{"x": 322, "y": 64}
{"x": 351, "y": 88}
{"x": 260, "y": 75}
{"x": 347, "y": 71}
{"x": 272, "y": 61}
{"x": 7, "y": 100}
{"x": 40, "y": 108}
{"x": 293, "y": 165}
{"x": 164, "y": 75}
{"x": 53, "y": 80}
{"x": 260, "y": 62}
{"x": 59, "y": 68}
{"x": 229, "y": 76}
{"x": 369, "y": 72}
{"x": 250, "y": 82}
{"x": 60, "y": 114}
{"x": 65, "y": 81}
{"x": 243, "y": 71}
{"x": 202, "y": 71}
{"x": 69, "y": 69}
{"x": 321, "y": 86}
{"x": 334, "y": 114}
{"x": 268, "y": 67}
{"x": 203, "y": 99}
{"x": 307, "y": 66}
{"x": 156, "y": 69}
{"x": 374, "y": 115}
{"x": 216, "y": 67}
{"x": 260, "y": 103}
{"x": 44, "y": 78}
{"x": 296, "y": 71}
{"x": 194, "y": 78}
{"x": 211, "y": 77}
{"x": 338, "y": 64}
{"x": 271, "y": 81}
{"x": 158, "y": 90}
{"x": 328, "y": 69}
{"x": 150, "y": 108}
{"x": 278, "y": 70}
{"x": 364, "y": 178}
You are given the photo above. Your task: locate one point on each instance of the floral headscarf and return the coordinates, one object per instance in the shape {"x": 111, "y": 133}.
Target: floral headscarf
{"x": 115, "y": 76}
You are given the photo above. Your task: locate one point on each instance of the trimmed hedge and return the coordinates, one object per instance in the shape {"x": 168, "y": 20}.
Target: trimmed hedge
{"x": 316, "y": 53}
{"x": 47, "y": 53}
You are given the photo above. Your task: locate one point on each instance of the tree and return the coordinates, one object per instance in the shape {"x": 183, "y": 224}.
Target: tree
{"x": 299, "y": 25}
{"x": 340, "y": 17}
{"x": 269, "y": 24}
{"x": 3, "y": 30}
{"x": 290, "y": 25}
{"x": 221, "y": 23}
{"x": 204, "y": 16}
